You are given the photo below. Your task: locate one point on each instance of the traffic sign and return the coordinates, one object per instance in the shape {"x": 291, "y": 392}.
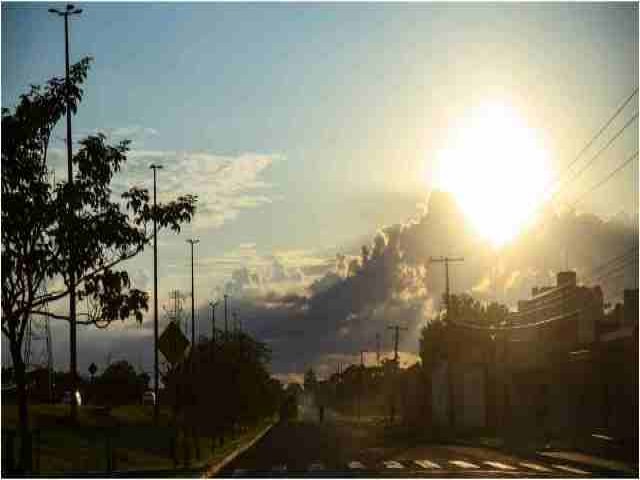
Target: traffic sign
{"x": 172, "y": 343}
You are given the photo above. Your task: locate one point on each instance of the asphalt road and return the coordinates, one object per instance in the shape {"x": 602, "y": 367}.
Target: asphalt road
{"x": 343, "y": 448}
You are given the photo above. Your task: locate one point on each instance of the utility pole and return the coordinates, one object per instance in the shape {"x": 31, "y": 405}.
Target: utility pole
{"x": 156, "y": 374}
{"x": 361, "y": 382}
{"x": 226, "y": 323}
{"x": 213, "y": 306}
{"x": 362, "y": 352}
{"x": 193, "y": 241}
{"x": 446, "y": 260}
{"x": 396, "y": 328}
{"x": 73, "y": 346}
{"x": 378, "y": 349}
{"x": 235, "y": 322}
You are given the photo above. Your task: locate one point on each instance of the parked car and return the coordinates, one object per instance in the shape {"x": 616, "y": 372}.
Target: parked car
{"x": 68, "y": 397}
{"x": 149, "y": 398}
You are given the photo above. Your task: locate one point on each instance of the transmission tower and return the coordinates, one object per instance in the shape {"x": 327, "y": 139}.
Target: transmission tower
{"x": 38, "y": 353}
{"x": 175, "y": 310}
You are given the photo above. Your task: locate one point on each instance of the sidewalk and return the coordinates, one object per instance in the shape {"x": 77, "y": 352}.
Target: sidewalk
{"x": 610, "y": 457}
{"x": 591, "y": 460}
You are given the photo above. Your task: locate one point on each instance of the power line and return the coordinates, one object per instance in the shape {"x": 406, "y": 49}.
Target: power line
{"x": 611, "y": 261}
{"x": 599, "y": 132}
{"x": 597, "y": 155}
{"x": 605, "y": 180}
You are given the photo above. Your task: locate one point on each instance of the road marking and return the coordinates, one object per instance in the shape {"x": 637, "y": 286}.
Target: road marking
{"x": 393, "y": 464}
{"x": 315, "y": 467}
{"x": 601, "y": 437}
{"x": 355, "y": 465}
{"x": 569, "y": 469}
{"x": 462, "y": 464}
{"x": 535, "y": 466}
{"x": 426, "y": 464}
{"x": 279, "y": 468}
{"x": 499, "y": 465}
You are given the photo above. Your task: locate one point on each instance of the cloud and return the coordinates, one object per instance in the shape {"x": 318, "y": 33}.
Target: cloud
{"x": 225, "y": 184}
{"x": 130, "y": 132}
{"x": 313, "y": 307}
{"x": 393, "y": 282}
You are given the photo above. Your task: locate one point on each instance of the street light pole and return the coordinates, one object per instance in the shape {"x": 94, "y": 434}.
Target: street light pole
{"x": 213, "y": 306}
{"x": 192, "y": 241}
{"x": 156, "y": 376}
{"x": 226, "y": 322}
{"x": 73, "y": 346}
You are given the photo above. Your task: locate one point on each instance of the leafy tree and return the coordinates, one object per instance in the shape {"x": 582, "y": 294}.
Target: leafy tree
{"x": 432, "y": 343}
{"x": 120, "y": 385}
{"x": 310, "y": 380}
{"x": 222, "y": 384}
{"x": 47, "y": 229}
{"x": 464, "y": 308}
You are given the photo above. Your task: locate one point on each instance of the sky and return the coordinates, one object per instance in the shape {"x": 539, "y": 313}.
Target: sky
{"x": 306, "y": 128}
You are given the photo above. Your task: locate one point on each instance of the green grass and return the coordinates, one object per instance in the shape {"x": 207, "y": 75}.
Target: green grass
{"x": 138, "y": 444}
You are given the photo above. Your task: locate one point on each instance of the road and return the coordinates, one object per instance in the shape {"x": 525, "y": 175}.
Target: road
{"x": 343, "y": 448}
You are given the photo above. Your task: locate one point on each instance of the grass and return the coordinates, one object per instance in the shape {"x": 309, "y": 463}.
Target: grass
{"x": 137, "y": 443}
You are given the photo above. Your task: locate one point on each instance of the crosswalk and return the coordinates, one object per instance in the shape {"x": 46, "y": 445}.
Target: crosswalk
{"x": 434, "y": 466}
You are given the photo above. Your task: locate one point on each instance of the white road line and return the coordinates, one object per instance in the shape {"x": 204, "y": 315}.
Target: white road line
{"x": 569, "y": 469}
{"x": 535, "y": 466}
{"x": 427, "y": 464}
{"x": 355, "y": 465}
{"x": 393, "y": 464}
{"x": 279, "y": 468}
{"x": 499, "y": 465}
{"x": 315, "y": 467}
{"x": 463, "y": 464}
{"x": 601, "y": 437}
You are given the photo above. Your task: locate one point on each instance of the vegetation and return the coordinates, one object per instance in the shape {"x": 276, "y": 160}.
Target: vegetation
{"x": 52, "y": 233}
{"x": 222, "y": 385}
{"x": 61, "y": 447}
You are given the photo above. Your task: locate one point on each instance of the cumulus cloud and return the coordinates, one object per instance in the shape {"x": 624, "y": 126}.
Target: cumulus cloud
{"x": 225, "y": 184}
{"x": 392, "y": 281}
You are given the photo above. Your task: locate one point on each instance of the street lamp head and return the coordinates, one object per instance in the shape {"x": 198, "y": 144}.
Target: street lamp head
{"x": 154, "y": 166}
{"x": 77, "y": 11}
{"x": 70, "y": 6}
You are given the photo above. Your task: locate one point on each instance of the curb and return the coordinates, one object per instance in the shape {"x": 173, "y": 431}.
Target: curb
{"x": 213, "y": 470}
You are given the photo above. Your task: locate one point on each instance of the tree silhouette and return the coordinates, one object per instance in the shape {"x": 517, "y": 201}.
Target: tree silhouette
{"x": 310, "y": 380}
{"x": 223, "y": 384}
{"x": 43, "y": 223}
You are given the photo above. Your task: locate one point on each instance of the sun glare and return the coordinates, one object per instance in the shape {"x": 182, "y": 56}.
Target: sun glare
{"x": 497, "y": 168}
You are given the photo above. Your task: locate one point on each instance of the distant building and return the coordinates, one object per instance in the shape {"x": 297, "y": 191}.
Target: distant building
{"x": 580, "y": 306}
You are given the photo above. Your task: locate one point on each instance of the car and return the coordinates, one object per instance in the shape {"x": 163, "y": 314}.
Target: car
{"x": 68, "y": 397}
{"x": 149, "y": 398}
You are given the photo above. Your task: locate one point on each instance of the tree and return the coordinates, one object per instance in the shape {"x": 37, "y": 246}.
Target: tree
{"x": 48, "y": 229}
{"x": 310, "y": 380}
{"x": 221, "y": 384}
{"x": 120, "y": 385}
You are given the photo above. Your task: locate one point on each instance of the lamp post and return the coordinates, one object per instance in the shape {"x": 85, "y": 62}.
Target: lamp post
{"x": 226, "y": 322}
{"x": 237, "y": 323}
{"x": 156, "y": 376}
{"x": 213, "y": 306}
{"x": 192, "y": 241}
{"x": 73, "y": 346}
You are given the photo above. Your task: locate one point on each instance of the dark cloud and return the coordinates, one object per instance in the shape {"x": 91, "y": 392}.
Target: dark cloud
{"x": 392, "y": 280}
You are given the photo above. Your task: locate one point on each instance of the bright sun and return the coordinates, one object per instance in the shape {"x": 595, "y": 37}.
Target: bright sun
{"x": 497, "y": 168}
